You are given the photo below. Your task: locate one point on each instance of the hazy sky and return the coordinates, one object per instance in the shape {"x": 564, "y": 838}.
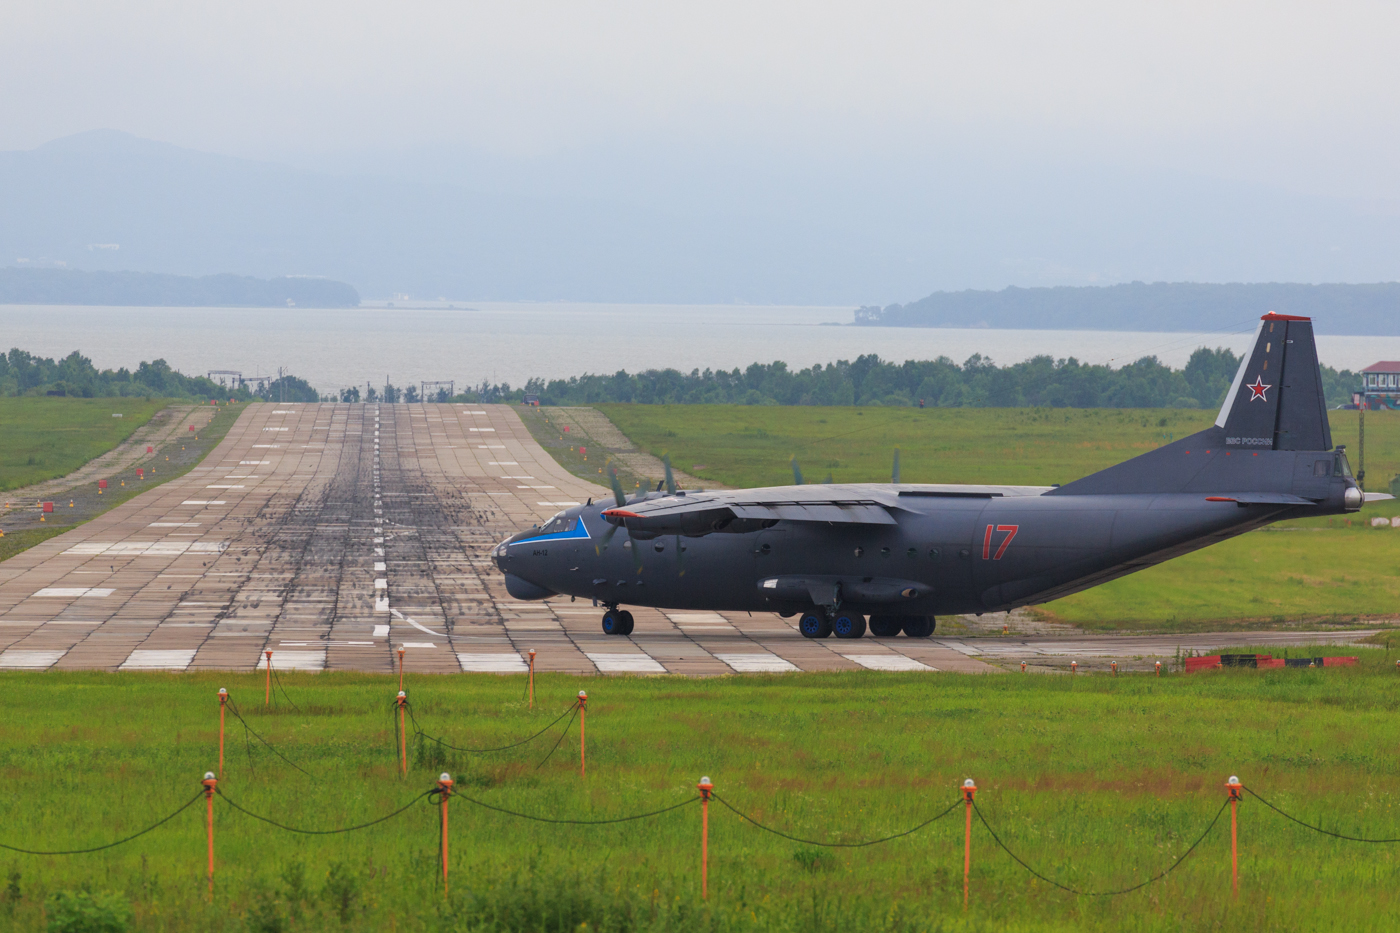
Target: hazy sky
{"x": 1302, "y": 96}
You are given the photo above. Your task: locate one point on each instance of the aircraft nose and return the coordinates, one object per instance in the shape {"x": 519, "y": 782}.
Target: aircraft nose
{"x": 498, "y": 554}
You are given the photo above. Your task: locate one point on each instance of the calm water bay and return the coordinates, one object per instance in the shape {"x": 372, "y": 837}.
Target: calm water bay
{"x": 512, "y": 342}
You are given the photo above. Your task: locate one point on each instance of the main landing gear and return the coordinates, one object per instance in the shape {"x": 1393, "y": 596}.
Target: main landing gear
{"x": 844, "y": 624}
{"x": 617, "y": 621}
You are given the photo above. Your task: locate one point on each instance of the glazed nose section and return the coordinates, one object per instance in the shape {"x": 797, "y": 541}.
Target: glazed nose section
{"x": 499, "y": 554}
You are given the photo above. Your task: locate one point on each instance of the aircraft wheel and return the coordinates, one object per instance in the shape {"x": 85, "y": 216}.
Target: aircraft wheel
{"x": 814, "y": 625}
{"x": 848, "y": 625}
{"x": 919, "y": 626}
{"x": 613, "y": 623}
{"x": 884, "y": 626}
{"x": 627, "y": 622}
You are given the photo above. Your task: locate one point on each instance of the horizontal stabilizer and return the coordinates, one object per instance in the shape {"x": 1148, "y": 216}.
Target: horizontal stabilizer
{"x": 1262, "y": 498}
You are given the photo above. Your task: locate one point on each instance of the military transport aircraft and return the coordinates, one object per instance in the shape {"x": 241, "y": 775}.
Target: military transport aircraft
{"x": 906, "y": 553}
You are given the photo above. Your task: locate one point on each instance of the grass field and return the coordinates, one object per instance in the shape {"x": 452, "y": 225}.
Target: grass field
{"x": 42, "y": 438}
{"x": 173, "y": 459}
{"x": 1302, "y": 571}
{"x": 1097, "y": 782}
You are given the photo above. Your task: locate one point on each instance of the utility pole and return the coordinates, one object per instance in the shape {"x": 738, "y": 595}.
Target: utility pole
{"x": 1361, "y": 464}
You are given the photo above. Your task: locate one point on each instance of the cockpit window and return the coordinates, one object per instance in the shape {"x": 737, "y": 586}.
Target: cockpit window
{"x": 558, "y": 523}
{"x": 1340, "y": 467}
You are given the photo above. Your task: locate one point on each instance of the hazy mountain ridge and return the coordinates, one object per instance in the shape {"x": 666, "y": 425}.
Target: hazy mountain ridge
{"x": 669, "y": 231}
{"x": 1369, "y": 309}
{"x": 155, "y": 290}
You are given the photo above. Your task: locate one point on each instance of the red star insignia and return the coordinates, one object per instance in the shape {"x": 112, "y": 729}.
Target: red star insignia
{"x": 1258, "y": 389}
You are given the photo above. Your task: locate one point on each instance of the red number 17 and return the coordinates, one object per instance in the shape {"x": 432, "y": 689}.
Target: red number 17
{"x": 987, "y": 540}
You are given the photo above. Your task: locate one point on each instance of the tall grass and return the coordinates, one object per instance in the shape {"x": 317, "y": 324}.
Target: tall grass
{"x": 1096, "y": 781}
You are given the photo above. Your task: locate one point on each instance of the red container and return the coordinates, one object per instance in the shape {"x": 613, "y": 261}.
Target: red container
{"x": 102, "y": 484}
{"x": 150, "y": 449}
{"x": 48, "y": 506}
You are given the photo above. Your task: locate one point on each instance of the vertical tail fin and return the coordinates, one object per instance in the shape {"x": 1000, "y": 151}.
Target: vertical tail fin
{"x": 1276, "y": 400}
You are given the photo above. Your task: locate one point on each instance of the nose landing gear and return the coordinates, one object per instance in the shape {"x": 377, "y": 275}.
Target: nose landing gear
{"x": 617, "y": 621}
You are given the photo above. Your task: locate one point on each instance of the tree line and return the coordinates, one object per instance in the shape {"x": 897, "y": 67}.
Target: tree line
{"x": 1041, "y": 381}
{"x": 868, "y": 380}
{"x": 23, "y": 373}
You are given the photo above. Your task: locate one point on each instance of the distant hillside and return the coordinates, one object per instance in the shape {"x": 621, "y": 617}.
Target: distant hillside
{"x": 74, "y": 287}
{"x": 469, "y": 225}
{"x": 1171, "y": 306}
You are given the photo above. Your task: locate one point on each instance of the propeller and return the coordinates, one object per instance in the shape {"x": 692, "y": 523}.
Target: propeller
{"x": 796, "y": 473}
{"x": 670, "y": 477}
{"x": 894, "y": 475}
{"x": 621, "y": 499}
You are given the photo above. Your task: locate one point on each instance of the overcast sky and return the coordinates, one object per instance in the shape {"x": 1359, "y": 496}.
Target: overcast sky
{"x": 1299, "y": 95}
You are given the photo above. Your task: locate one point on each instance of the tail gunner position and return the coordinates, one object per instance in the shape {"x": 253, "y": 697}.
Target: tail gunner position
{"x": 902, "y": 554}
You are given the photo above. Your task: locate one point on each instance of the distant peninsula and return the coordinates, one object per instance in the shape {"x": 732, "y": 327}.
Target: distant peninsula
{"x": 20, "y": 286}
{"x": 1370, "y": 310}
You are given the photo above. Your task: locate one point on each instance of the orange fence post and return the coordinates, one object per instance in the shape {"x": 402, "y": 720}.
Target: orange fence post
{"x": 1023, "y": 667}
{"x": 1074, "y": 667}
{"x": 705, "y": 788}
{"x": 582, "y": 715}
{"x": 403, "y": 735}
{"x": 444, "y": 791}
{"x": 968, "y": 789}
{"x": 267, "y": 697}
{"x": 223, "y": 701}
{"x": 400, "y": 668}
{"x": 532, "y": 678}
{"x": 1234, "y": 787}
{"x": 1115, "y": 668}
{"x": 1159, "y": 668}
{"x": 210, "y": 782}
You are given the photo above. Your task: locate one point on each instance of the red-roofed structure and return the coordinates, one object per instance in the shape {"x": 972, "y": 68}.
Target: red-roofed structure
{"x": 1380, "y": 385}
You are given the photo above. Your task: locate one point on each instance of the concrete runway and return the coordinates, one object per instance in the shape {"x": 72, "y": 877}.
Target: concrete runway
{"x": 332, "y": 534}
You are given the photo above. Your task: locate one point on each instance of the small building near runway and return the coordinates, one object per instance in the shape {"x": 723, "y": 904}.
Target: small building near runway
{"x": 1380, "y": 386}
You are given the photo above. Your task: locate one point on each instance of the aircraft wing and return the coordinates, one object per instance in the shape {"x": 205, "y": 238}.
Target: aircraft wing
{"x": 696, "y": 513}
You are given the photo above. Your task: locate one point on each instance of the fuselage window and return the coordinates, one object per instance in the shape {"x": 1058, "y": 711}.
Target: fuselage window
{"x": 1322, "y": 468}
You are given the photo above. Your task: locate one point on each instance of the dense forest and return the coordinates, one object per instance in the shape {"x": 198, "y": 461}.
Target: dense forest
{"x": 869, "y": 380}
{"x": 1161, "y": 306}
{"x": 155, "y": 290}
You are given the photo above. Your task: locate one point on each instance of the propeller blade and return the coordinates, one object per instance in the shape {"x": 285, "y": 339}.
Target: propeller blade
{"x": 894, "y": 477}
{"x": 796, "y": 473}
{"x": 605, "y": 540}
{"x": 616, "y": 486}
{"x": 670, "y": 477}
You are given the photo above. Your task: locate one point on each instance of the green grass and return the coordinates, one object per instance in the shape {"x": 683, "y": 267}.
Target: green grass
{"x": 48, "y": 437}
{"x": 13, "y": 542}
{"x": 1097, "y": 781}
{"x": 1294, "y": 572}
